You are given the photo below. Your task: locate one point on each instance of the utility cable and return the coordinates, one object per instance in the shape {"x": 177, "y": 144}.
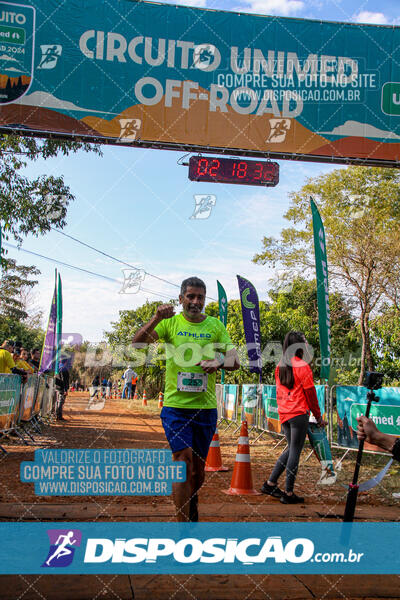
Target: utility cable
{"x": 119, "y": 260}
{"x": 59, "y": 262}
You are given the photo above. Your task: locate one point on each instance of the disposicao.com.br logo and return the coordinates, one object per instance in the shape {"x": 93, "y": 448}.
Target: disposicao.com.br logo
{"x": 249, "y": 551}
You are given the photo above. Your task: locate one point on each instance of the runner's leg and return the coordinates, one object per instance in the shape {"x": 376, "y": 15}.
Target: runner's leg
{"x": 183, "y": 490}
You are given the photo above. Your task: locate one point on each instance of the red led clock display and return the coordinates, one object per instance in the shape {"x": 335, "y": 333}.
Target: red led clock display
{"x": 233, "y": 170}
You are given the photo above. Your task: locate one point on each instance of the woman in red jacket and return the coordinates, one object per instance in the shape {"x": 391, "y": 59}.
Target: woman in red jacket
{"x": 296, "y": 396}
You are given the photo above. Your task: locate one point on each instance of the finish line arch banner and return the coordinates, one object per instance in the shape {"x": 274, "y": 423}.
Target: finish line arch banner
{"x": 165, "y": 76}
{"x": 351, "y": 401}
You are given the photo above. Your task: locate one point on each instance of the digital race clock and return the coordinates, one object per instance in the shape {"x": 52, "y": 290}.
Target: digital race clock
{"x": 233, "y": 170}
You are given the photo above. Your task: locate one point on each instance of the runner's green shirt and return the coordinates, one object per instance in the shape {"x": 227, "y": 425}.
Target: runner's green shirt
{"x": 187, "y": 344}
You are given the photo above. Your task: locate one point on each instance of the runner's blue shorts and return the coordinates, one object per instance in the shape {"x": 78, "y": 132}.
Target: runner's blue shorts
{"x": 189, "y": 428}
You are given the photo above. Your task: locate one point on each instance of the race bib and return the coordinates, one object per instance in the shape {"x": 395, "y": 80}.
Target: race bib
{"x": 192, "y": 382}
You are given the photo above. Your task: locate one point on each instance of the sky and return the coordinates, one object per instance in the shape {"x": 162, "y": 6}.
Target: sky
{"x": 136, "y": 204}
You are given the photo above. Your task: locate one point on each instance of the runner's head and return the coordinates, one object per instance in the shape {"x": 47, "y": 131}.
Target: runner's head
{"x": 192, "y": 297}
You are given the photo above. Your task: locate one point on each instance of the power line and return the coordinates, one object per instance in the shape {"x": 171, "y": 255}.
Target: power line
{"x": 122, "y": 262}
{"x": 59, "y": 262}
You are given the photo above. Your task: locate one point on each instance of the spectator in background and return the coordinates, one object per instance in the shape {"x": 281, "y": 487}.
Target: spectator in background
{"x": 94, "y": 393}
{"x": 295, "y": 396}
{"x": 35, "y": 359}
{"x": 134, "y": 383}
{"x": 62, "y": 387}
{"x": 22, "y": 362}
{"x": 127, "y": 377}
{"x": 104, "y": 387}
{"x": 7, "y": 364}
{"x": 109, "y": 387}
{"x": 6, "y": 357}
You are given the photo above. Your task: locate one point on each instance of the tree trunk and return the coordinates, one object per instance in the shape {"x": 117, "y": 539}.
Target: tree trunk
{"x": 363, "y": 349}
{"x": 366, "y": 354}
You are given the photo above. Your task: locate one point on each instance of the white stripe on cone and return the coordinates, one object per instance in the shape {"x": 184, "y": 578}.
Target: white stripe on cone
{"x": 243, "y": 458}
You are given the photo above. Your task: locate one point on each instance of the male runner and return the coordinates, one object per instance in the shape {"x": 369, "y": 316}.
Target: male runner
{"x": 189, "y": 414}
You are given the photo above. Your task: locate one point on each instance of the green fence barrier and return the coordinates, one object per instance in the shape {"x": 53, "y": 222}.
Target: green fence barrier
{"x": 10, "y": 391}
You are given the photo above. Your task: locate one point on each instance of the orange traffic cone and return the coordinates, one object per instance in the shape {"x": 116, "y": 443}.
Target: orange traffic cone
{"x": 160, "y": 400}
{"x": 214, "y": 460}
{"x": 135, "y": 396}
{"x": 242, "y": 481}
{"x": 144, "y": 401}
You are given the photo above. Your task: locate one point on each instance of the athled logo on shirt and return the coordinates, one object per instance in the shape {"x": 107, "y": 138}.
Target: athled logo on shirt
{"x": 197, "y": 336}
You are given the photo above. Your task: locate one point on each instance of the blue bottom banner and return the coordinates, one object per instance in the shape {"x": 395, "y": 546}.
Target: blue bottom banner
{"x": 208, "y": 548}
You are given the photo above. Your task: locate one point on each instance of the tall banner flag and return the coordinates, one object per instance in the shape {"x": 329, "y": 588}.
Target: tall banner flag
{"x": 58, "y": 326}
{"x": 223, "y": 304}
{"x": 321, "y": 267}
{"x": 223, "y": 314}
{"x": 251, "y": 323}
{"x": 49, "y": 344}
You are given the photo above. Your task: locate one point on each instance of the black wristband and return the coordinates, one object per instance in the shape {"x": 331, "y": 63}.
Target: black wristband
{"x": 396, "y": 450}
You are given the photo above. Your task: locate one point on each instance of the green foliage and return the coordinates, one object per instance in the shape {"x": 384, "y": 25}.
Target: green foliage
{"x": 146, "y": 361}
{"x": 19, "y": 331}
{"x": 385, "y": 335}
{"x": 14, "y": 315}
{"x": 33, "y": 205}
{"x": 360, "y": 209}
{"x": 12, "y": 283}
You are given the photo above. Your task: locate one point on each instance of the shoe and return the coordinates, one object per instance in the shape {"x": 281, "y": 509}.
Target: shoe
{"x": 293, "y": 499}
{"x": 193, "y": 509}
{"x": 271, "y": 490}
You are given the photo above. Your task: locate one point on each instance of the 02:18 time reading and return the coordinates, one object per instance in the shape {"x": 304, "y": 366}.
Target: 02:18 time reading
{"x": 227, "y": 170}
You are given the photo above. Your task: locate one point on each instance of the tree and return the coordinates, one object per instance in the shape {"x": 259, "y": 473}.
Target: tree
{"x": 15, "y": 315}
{"x": 13, "y": 285}
{"x": 33, "y": 205}
{"x": 385, "y": 341}
{"x": 360, "y": 208}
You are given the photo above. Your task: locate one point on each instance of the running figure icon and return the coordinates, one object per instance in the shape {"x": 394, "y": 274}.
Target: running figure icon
{"x": 62, "y": 549}
{"x": 50, "y": 56}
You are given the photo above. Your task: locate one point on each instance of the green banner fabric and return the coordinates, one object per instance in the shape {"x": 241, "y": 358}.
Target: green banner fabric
{"x": 59, "y": 325}
{"x": 223, "y": 314}
{"x": 385, "y": 416}
{"x": 230, "y": 401}
{"x": 10, "y": 389}
{"x": 321, "y": 267}
{"x": 223, "y": 304}
{"x": 352, "y": 400}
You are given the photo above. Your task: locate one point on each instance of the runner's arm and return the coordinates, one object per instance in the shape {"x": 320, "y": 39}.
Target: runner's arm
{"x": 229, "y": 362}
{"x": 146, "y": 334}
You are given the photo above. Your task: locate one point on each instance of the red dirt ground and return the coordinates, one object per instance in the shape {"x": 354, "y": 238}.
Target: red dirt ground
{"x": 121, "y": 426}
